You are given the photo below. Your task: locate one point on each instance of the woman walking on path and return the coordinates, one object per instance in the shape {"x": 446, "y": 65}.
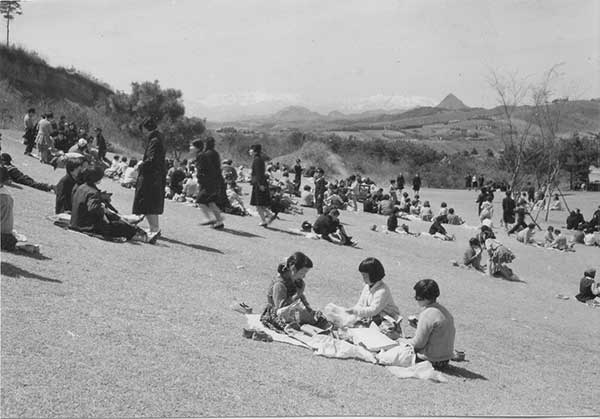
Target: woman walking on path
{"x": 150, "y": 188}
{"x": 210, "y": 179}
{"x": 260, "y": 197}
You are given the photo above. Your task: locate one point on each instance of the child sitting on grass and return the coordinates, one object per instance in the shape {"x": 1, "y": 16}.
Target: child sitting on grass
{"x": 589, "y": 289}
{"x": 327, "y": 224}
{"x": 286, "y": 302}
{"x": 560, "y": 242}
{"x": 376, "y": 303}
{"x": 472, "y": 256}
{"x": 454, "y": 219}
{"x": 438, "y": 231}
{"x": 434, "y": 338}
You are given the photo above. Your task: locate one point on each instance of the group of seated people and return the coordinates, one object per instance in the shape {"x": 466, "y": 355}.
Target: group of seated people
{"x": 123, "y": 171}
{"x": 435, "y": 331}
{"x": 498, "y": 255}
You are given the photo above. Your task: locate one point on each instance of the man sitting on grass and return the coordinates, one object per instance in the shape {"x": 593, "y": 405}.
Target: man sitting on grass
{"x": 329, "y": 223}
{"x": 15, "y": 175}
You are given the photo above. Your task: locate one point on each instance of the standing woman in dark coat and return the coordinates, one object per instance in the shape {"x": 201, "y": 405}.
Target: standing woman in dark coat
{"x": 260, "y": 187}
{"x": 417, "y": 183}
{"x": 150, "y": 188}
{"x": 208, "y": 172}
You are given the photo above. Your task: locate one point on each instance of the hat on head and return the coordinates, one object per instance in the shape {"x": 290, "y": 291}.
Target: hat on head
{"x": 82, "y": 143}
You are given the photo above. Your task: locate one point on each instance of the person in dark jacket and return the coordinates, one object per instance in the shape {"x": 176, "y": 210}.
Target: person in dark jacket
{"x": 400, "y": 182}
{"x": 417, "y": 183}
{"x": 91, "y": 211}
{"x": 320, "y": 188}
{"x": 149, "y": 199}
{"x": 589, "y": 289}
{"x": 329, "y": 223}
{"x": 508, "y": 210}
{"x": 102, "y": 146}
{"x": 210, "y": 180}
{"x": 65, "y": 186}
{"x": 260, "y": 196}
{"x": 15, "y": 175}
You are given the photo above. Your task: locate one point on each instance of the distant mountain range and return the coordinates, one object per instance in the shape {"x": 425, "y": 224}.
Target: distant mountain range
{"x": 299, "y": 114}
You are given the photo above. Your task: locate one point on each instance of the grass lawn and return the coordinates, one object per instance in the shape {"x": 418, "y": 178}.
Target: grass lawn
{"x": 94, "y": 328}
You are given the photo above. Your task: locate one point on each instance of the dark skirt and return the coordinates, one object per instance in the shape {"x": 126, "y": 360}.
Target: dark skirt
{"x": 207, "y": 193}
{"x": 260, "y": 198}
{"x": 149, "y": 195}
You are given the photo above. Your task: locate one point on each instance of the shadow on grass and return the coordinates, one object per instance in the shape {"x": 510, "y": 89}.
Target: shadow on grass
{"x": 279, "y": 230}
{"x": 37, "y": 256}
{"x": 455, "y": 371}
{"x": 193, "y": 246}
{"x": 240, "y": 233}
{"x": 13, "y": 271}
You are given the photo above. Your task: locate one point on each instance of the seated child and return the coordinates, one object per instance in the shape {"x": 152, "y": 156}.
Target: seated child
{"x": 548, "y": 237}
{"x": 443, "y": 212}
{"x": 525, "y": 236}
{"x": 454, "y": 219}
{"x": 286, "y": 302}
{"x": 392, "y": 221}
{"x": 438, "y": 231}
{"x": 376, "y": 303}
{"x": 369, "y": 205}
{"x": 426, "y": 212}
{"x": 434, "y": 337}
{"x": 112, "y": 170}
{"x": 386, "y": 206}
{"x": 556, "y": 205}
{"x": 130, "y": 175}
{"x": 560, "y": 242}
{"x": 329, "y": 223}
{"x": 498, "y": 256}
{"x": 236, "y": 204}
{"x": 589, "y": 289}
{"x": 307, "y": 198}
{"x": 472, "y": 256}
{"x": 122, "y": 167}
{"x": 487, "y": 209}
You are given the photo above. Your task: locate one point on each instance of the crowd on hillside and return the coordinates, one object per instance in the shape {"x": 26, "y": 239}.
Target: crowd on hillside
{"x": 212, "y": 184}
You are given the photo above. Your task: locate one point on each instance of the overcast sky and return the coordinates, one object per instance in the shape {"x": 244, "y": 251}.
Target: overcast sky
{"x": 243, "y": 56}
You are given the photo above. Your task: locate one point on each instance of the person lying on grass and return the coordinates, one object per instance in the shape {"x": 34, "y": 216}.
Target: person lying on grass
{"x": 327, "y": 224}
{"x": 15, "y": 175}
{"x": 286, "y": 302}
{"x": 472, "y": 256}
{"x": 589, "y": 289}
{"x": 376, "y": 303}
{"x": 434, "y": 338}
{"x": 92, "y": 212}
